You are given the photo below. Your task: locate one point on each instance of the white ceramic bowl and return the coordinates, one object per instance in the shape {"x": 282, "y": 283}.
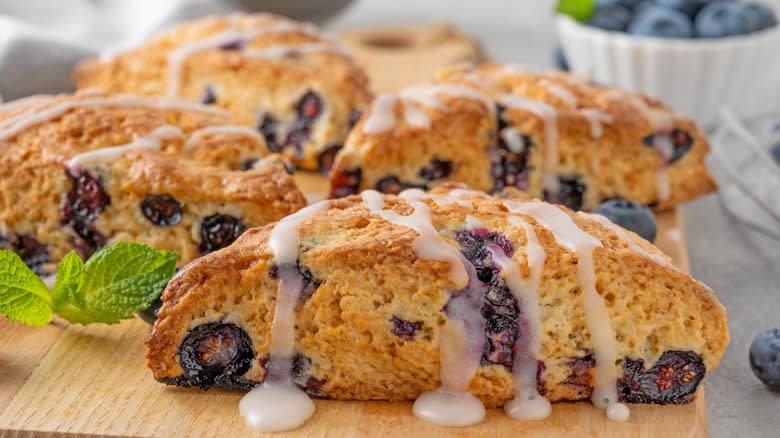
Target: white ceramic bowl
{"x": 696, "y": 77}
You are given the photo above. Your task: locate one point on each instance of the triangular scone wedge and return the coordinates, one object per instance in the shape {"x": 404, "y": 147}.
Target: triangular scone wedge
{"x": 395, "y": 296}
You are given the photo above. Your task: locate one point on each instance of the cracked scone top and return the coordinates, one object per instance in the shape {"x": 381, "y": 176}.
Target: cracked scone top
{"x": 382, "y": 297}
{"x": 286, "y": 79}
{"x": 555, "y": 135}
{"x": 80, "y": 171}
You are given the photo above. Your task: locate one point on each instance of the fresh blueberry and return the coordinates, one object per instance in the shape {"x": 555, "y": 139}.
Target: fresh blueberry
{"x": 631, "y": 5}
{"x": 631, "y": 216}
{"x": 614, "y": 18}
{"x": 661, "y": 23}
{"x": 560, "y": 59}
{"x": 390, "y": 184}
{"x": 776, "y": 152}
{"x": 687, "y": 7}
{"x": 571, "y": 192}
{"x": 765, "y": 358}
{"x": 209, "y": 96}
{"x": 725, "y": 18}
{"x": 218, "y": 231}
{"x": 759, "y": 17}
{"x": 162, "y": 210}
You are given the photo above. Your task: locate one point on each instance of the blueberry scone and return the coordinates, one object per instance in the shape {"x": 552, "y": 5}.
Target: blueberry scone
{"x": 557, "y": 136}
{"x": 448, "y": 296}
{"x": 296, "y": 86}
{"x": 80, "y": 171}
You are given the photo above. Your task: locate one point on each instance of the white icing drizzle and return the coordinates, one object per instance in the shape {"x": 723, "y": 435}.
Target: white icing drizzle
{"x": 14, "y": 125}
{"x": 570, "y": 236}
{"x": 513, "y": 139}
{"x": 236, "y": 130}
{"x": 549, "y": 116}
{"x": 8, "y": 106}
{"x": 277, "y": 404}
{"x": 527, "y": 404}
{"x": 153, "y": 140}
{"x": 596, "y": 118}
{"x": 382, "y": 116}
{"x": 560, "y": 92}
{"x": 625, "y": 237}
{"x": 618, "y": 412}
{"x": 661, "y": 120}
{"x": 461, "y": 342}
{"x": 180, "y": 54}
{"x": 291, "y": 51}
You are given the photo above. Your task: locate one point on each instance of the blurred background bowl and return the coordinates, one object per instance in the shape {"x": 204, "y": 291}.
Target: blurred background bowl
{"x": 317, "y": 11}
{"x": 696, "y": 77}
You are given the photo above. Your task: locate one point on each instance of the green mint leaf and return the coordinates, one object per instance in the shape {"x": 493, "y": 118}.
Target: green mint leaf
{"x": 119, "y": 281}
{"x": 70, "y": 273}
{"x": 23, "y": 296}
{"x": 580, "y": 10}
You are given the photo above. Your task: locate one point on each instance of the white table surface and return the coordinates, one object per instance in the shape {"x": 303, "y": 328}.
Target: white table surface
{"x": 742, "y": 266}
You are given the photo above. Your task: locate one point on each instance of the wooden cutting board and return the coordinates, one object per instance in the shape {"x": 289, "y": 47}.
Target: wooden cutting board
{"x": 63, "y": 380}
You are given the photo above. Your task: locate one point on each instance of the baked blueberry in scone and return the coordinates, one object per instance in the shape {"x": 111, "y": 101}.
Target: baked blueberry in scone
{"x": 285, "y": 79}
{"x": 384, "y": 297}
{"x": 555, "y": 135}
{"x": 80, "y": 171}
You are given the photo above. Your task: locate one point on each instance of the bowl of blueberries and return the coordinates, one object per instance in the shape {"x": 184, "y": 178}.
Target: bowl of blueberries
{"x": 695, "y": 55}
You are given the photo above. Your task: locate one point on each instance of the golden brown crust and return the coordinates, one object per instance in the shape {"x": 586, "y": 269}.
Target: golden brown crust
{"x": 197, "y": 163}
{"x": 607, "y": 158}
{"x": 247, "y": 86}
{"x": 370, "y": 273}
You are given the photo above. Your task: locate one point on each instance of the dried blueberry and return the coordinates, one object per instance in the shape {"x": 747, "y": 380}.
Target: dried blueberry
{"x": 436, "y": 169}
{"x": 509, "y": 157}
{"x": 404, "y": 329}
{"x": 236, "y": 44}
{"x": 209, "y": 96}
{"x": 301, "y": 375}
{"x": 83, "y": 204}
{"x": 672, "y": 380}
{"x": 218, "y": 231}
{"x": 570, "y": 194}
{"x": 390, "y": 184}
{"x": 346, "y": 183}
{"x": 162, "y": 210}
{"x": 267, "y": 128}
{"x": 309, "y": 107}
{"x": 32, "y": 252}
{"x": 298, "y": 136}
{"x": 327, "y": 157}
{"x": 215, "y": 354}
{"x": 354, "y": 117}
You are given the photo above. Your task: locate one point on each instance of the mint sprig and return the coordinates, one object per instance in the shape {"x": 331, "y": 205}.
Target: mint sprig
{"x": 580, "y": 10}
{"x": 115, "y": 283}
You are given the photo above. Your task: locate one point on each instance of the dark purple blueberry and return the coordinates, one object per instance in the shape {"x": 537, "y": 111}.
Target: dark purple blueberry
{"x": 354, "y": 117}
{"x": 681, "y": 142}
{"x": 406, "y": 330}
{"x": 298, "y": 136}
{"x": 301, "y": 374}
{"x": 580, "y": 379}
{"x": 32, "y": 252}
{"x": 346, "y": 183}
{"x": 83, "y": 204}
{"x": 162, "y": 210}
{"x": 390, "y": 185}
{"x": 218, "y": 231}
{"x": 508, "y": 160}
{"x": 672, "y": 380}
{"x": 499, "y": 307}
{"x": 267, "y": 128}
{"x": 614, "y": 18}
{"x": 309, "y": 107}
{"x": 209, "y": 96}
{"x": 570, "y": 194}
{"x": 310, "y": 283}
{"x": 764, "y": 358}
{"x": 215, "y": 354}
{"x": 660, "y": 22}
{"x": 248, "y": 164}
{"x": 436, "y": 169}
{"x": 236, "y": 44}
{"x": 327, "y": 157}
{"x": 150, "y": 313}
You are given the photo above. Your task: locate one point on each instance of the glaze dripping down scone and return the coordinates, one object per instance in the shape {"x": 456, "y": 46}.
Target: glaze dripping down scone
{"x": 81, "y": 171}
{"x": 296, "y": 86}
{"x": 555, "y": 135}
{"x": 393, "y": 296}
